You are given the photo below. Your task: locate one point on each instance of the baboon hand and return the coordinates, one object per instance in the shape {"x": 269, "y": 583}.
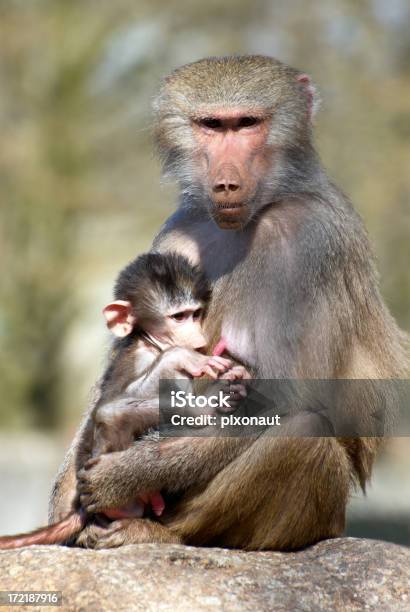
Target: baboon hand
{"x": 196, "y": 364}
{"x": 236, "y": 372}
{"x": 90, "y": 535}
{"x": 117, "y": 479}
{"x": 98, "y": 485}
{"x": 237, "y": 390}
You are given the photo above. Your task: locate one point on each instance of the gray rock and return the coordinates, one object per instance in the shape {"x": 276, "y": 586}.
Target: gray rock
{"x": 341, "y": 574}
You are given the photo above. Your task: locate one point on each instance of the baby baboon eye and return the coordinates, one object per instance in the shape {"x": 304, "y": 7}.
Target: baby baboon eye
{"x": 179, "y": 316}
{"x": 197, "y": 314}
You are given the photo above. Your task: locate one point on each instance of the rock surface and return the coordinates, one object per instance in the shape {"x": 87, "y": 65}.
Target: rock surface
{"x": 342, "y": 574}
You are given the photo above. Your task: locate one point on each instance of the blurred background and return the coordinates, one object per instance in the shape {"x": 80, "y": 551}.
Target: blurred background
{"x": 80, "y": 190}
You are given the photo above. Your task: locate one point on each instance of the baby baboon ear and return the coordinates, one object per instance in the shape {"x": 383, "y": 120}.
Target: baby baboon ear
{"x": 119, "y": 318}
{"x": 311, "y": 93}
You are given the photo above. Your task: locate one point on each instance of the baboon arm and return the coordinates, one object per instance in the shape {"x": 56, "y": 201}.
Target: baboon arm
{"x": 175, "y": 464}
{"x": 276, "y": 471}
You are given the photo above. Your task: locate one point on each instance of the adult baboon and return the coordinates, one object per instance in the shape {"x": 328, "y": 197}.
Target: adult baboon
{"x": 295, "y": 295}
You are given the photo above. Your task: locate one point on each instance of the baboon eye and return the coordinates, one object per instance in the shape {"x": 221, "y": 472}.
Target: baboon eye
{"x": 179, "y": 316}
{"x": 248, "y": 121}
{"x": 211, "y": 123}
{"x": 197, "y": 314}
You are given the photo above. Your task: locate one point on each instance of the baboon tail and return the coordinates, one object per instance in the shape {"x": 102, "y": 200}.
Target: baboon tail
{"x": 52, "y": 534}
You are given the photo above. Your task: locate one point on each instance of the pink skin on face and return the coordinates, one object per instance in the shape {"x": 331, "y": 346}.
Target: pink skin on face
{"x": 232, "y": 158}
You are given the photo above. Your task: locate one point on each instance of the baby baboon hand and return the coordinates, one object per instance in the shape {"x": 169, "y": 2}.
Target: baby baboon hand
{"x": 236, "y": 372}
{"x": 237, "y": 390}
{"x": 196, "y": 364}
{"x": 212, "y": 367}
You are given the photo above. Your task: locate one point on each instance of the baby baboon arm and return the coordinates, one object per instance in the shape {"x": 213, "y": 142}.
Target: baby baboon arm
{"x": 118, "y": 423}
{"x": 173, "y": 465}
{"x": 113, "y": 480}
{"x": 177, "y": 362}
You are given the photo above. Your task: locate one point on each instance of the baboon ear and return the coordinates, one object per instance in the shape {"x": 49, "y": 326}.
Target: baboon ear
{"x": 119, "y": 318}
{"x": 311, "y": 93}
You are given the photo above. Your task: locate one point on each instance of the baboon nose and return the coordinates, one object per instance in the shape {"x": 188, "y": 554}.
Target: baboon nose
{"x": 225, "y": 185}
{"x": 227, "y": 180}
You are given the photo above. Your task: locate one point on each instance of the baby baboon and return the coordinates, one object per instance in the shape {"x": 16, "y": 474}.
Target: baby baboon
{"x": 157, "y": 315}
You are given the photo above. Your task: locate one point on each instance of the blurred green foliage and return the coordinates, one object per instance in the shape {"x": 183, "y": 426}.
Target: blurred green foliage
{"x": 80, "y": 190}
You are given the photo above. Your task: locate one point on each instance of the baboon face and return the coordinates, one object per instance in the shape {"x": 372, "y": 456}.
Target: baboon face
{"x": 234, "y": 131}
{"x": 232, "y": 162}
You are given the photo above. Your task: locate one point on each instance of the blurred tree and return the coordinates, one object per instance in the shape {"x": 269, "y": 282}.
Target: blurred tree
{"x": 80, "y": 191}
{"x": 44, "y": 166}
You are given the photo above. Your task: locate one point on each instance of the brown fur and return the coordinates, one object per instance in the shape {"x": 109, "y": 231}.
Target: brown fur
{"x": 295, "y": 292}
{"x": 116, "y": 418}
